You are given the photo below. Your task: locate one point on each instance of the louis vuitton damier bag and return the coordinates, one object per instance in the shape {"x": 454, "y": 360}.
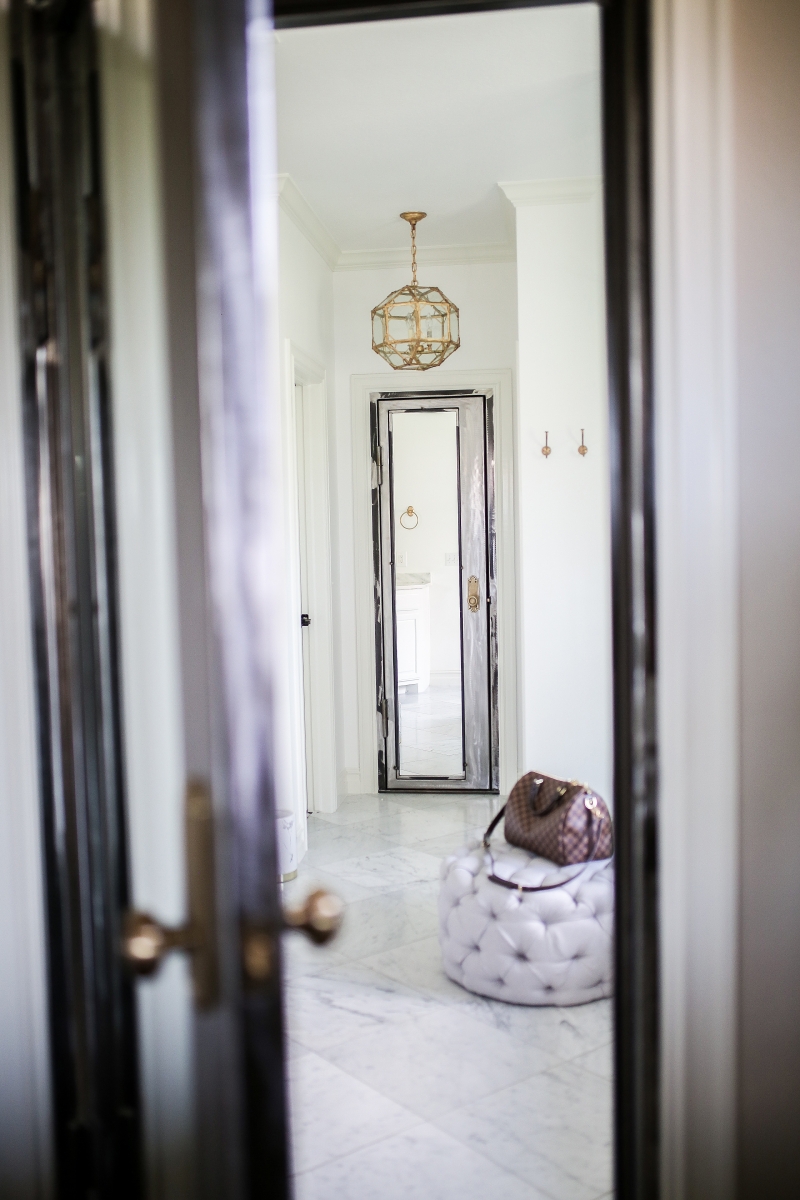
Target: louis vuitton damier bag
{"x": 566, "y": 822}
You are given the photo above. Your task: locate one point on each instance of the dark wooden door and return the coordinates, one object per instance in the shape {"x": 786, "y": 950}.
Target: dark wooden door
{"x": 217, "y": 292}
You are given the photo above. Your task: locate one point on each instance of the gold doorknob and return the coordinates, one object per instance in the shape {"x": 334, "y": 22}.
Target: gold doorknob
{"x": 146, "y": 942}
{"x": 319, "y": 916}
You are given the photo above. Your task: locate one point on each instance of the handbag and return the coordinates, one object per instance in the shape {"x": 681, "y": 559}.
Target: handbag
{"x": 566, "y": 822}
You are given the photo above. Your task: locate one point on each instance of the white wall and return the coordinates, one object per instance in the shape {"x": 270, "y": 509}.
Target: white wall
{"x": 563, "y": 522}
{"x": 306, "y": 293}
{"x": 698, "y": 602}
{"x": 564, "y": 684}
{"x": 766, "y": 249}
{"x": 306, "y": 329}
{"x": 486, "y": 296}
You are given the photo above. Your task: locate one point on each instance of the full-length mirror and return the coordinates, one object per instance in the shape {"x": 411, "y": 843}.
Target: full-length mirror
{"x": 442, "y": 308}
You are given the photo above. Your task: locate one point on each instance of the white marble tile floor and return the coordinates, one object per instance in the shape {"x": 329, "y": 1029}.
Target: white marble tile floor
{"x": 431, "y": 731}
{"x": 402, "y": 1083}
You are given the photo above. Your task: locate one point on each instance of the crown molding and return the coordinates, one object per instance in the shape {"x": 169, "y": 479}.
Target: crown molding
{"x": 552, "y": 191}
{"x": 295, "y": 205}
{"x": 427, "y": 256}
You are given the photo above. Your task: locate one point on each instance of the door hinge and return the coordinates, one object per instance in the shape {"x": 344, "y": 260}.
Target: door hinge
{"x": 383, "y": 709}
{"x": 377, "y": 468}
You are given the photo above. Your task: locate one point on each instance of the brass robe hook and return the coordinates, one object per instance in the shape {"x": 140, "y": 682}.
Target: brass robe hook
{"x": 583, "y": 449}
{"x": 546, "y": 450}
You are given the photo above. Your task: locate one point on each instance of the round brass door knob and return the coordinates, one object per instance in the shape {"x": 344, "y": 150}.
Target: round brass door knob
{"x": 319, "y": 916}
{"x": 146, "y": 942}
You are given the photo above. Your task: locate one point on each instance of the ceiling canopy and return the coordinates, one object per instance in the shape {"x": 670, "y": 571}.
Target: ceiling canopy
{"x": 432, "y": 113}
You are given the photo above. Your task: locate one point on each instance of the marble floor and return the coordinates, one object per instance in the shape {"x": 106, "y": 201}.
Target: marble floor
{"x": 401, "y": 1083}
{"x": 431, "y": 740}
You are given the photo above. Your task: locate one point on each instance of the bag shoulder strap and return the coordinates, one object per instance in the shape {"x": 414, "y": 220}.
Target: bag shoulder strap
{"x": 493, "y": 825}
{"x": 544, "y": 887}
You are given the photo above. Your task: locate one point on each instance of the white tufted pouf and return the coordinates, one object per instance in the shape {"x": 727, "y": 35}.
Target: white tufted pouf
{"x": 551, "y": 947}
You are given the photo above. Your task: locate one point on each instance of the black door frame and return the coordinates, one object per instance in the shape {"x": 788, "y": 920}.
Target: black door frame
{"x": 67, "y": 421}
{"x": 626, "y": 91}
{"x": 216, "y": 311}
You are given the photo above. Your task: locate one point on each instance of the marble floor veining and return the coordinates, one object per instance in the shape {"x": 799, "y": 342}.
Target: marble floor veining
{"x": 401, "y": 1083}
{"x": 431, "y": 741}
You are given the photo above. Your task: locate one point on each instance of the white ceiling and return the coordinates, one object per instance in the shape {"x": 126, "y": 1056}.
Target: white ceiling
{"x": 432, "y": 114}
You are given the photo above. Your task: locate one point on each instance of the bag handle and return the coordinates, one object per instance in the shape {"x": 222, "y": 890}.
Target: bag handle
{"x": 544, "y": 887}
{"x": 537, "y": 783}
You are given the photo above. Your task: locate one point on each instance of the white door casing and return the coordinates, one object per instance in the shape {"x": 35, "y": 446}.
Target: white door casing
{"x": 311, "y": 716}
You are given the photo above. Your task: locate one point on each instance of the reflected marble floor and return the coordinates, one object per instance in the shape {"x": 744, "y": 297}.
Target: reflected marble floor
{"x": 401, "y": 1083}
{"x": 431, "y": 731}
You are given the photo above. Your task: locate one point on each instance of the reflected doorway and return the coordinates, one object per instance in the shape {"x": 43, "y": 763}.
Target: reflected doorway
{"x": 434, "y": 554}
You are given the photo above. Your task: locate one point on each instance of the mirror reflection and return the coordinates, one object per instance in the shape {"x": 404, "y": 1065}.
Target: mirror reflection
{"x": 427, "y": 570}
{"x": 441, "y": 307}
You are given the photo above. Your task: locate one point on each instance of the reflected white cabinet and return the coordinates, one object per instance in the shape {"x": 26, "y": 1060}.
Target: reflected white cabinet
{"x": 413, "y": 616}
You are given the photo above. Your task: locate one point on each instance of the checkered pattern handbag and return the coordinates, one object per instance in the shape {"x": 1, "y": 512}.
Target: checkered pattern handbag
{"x": 566, "y": 822}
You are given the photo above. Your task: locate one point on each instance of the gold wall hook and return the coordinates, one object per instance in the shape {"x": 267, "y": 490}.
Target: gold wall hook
{"x": 546, "y": 450}
{"x": 583, "y": 449}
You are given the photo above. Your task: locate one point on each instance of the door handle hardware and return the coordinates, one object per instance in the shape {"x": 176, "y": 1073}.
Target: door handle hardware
{"x": 146, "y": 941}
{"x": 377, "y": 469}
{"x": 383, "y": 709}
{"x": 305, "y": 620}
{"x": 319, "y": 916}
{"x": 473, "y": 593}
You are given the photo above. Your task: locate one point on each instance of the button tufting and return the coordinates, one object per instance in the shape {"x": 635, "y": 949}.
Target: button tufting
{"x": 498, "y": 921}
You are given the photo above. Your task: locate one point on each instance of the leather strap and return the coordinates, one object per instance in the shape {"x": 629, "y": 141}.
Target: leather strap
{"x": 495, "y": 822}
{"x": 544, "y": 887}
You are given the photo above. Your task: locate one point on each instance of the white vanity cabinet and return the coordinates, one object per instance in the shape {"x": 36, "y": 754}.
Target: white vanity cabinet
{"x": 413, "y": 617}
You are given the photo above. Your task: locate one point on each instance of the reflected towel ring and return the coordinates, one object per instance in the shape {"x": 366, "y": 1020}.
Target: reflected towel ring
{"x": 409, "y": 513}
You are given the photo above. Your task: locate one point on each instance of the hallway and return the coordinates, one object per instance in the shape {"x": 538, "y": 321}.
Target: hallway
{"x": 401, "y": 1082}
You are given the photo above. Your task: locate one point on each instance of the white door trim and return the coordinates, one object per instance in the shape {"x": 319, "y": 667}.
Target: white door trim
{"x": 698, "y": 587}
{"x": 500, "y": 381}
{"x": 307, "y": 435}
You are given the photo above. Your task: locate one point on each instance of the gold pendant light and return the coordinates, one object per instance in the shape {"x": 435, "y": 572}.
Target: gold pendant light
{"x": 415, "y": 328}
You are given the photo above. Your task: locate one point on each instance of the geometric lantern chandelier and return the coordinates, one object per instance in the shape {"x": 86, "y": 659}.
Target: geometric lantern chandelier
{"x": 415, "y": 328}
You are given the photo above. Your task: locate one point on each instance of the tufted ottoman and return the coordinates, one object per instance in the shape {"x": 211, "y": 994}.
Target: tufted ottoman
{"x": 551, "y": 947}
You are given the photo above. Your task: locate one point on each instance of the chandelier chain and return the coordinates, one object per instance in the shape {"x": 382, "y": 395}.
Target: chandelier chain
{"x": 413, "y": 251}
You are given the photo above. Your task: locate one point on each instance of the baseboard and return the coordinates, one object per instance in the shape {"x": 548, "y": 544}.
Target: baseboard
{"x": 446, "y": 678}
{"x": 350, "y": 782}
